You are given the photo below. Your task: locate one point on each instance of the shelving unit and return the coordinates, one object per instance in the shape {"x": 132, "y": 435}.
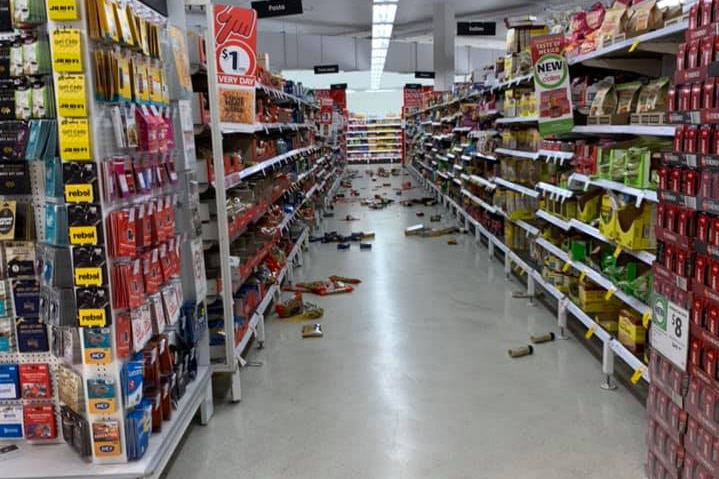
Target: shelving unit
{"x": 374, "y": 140}
{"x": 238, "y": 242}
{"x": 508, "y": 207}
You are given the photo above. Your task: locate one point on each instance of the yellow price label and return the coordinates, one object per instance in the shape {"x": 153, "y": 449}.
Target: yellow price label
{"x": 88, "y": 277}
{"x": 617, "y": 252}
{"x": 62, "y": 10}
{"x": 582, "y": 276}
{"x": 83, "y": 235}
{"x": 566, "y": 267}
{"x": 610, "y": 293}
{"x": 75, "y": 139}
{"x": 638, "y": 373}
{"x": 590, "y": 332}
{"x": 82, "y": 193}
{"x": 634, "y": 45}
{"x": 71, "y": 96}
{"x": 67, "y": 51}
{"x": 92, "y": 318}
{"x": 646, "y": 319}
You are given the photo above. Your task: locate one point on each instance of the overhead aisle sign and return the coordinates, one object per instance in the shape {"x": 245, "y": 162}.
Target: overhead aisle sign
{"x": 235, "y": 31}
{"x": 552, "y": 85}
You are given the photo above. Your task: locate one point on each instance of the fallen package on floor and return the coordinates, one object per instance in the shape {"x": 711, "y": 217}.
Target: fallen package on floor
{"x": 296, "y": 309}
{"x": 321, "y": 288}
{"x": 421, "y": 230}
{"x": 312, "y": 331}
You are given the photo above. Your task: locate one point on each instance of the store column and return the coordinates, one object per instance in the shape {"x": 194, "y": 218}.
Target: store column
{"x": 443, "y": 33}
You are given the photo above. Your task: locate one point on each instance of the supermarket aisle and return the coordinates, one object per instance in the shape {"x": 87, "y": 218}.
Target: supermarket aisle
{"x": 412, "y": 379}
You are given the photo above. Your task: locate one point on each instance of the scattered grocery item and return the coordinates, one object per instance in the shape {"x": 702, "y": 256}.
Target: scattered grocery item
{"x": 452, "y": 241}
{"x": 420, "y": 214}
{"x": 521, "y": 351}
{"x": 435, "y": 218}
{"x": 365, "y": 246}
{"x": 312, "y": 331}
{"x": 544, "y": 338}
{"x": 343, "y": 246}
{"x": 296, "y": 309}
{"x": 343, "y": 279}
{"x": 320, "y": 288}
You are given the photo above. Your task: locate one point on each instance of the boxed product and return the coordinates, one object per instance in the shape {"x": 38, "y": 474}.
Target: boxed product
{"x": 632, "y": 333}
{"x": 635, "y": 226}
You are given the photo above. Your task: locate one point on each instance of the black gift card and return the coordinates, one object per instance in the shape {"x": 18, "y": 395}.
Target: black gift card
{"x": 20, "y": 259}
{"x": 5, "y": 17}
{"x": 14, "y": 178}
{"x": 93, "y": 307}
{"x": 31, "y": 335}
{"x": 26, "y": 297}
{"x": 13, "y": 138}
{"x": 89, "y": 266}
{"x": 85, "y": 224}
{"x": 7, "y": 101}
{"x": 80, "y": 179}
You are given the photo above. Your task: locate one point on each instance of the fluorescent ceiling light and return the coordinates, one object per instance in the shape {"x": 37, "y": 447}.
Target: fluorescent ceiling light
{"x": 380, "y": 43}
{"x": 384, "y": 12}
{"x": 382, "y": 31}
{"x": 383, "y": 16}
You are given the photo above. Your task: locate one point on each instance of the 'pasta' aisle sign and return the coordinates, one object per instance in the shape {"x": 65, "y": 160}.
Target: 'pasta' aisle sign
{"x": 552, "y": 85}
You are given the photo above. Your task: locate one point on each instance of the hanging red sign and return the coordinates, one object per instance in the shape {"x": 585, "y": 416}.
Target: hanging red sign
{"x": 235, "y": 45}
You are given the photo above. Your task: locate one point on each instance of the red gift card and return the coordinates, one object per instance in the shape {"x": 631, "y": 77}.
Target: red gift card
{"x": 35, "y": 381}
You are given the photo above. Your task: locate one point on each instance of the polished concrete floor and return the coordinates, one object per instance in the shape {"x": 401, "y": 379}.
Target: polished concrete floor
{"x": 412, "y": 379}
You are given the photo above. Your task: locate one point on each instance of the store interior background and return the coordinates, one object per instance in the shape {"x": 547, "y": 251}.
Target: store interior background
{"x": 338, "y": 32}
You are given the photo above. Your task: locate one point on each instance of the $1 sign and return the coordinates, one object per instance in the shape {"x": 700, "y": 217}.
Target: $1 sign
{"x": 234, "y": 60}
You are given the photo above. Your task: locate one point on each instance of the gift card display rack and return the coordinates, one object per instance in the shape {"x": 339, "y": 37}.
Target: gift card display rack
{"x": 262, "y": 174}
{"x": 115, "y": 304}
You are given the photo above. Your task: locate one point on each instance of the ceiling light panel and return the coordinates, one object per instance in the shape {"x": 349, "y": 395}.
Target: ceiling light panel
{"x": 382, "y": 31}
{"x": 380, "y": 43}
{"x": 384, "y": 13}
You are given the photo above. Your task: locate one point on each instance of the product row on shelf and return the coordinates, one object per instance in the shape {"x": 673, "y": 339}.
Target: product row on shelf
{"x": 374, "y": 140}
{"x": 131, "y": 194}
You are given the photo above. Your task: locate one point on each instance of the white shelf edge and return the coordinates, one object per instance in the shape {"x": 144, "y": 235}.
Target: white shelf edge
{"x": 518, "y": 188}
{"x": 530, "y": 155}
{"x": 518, "y": 119}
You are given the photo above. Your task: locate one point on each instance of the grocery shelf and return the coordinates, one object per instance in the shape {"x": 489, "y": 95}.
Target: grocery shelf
{"x": 490, "y": 208}
{"x": 285, "y": 96}
{"x": 555, "y": 191}
{"x": 619, "y": 349}
{"x": 648, "y": 130}
{"x": 555, "y": 155}
{"x": 531, "y": 230}
{"x": 624, "y": 47}
{"x": 649, "y": 195}
{"x": 61, "y": 462}
{"x": 485, "y": 156}
{"x": 595, "y": 276}
{"x": 550, "y": 218}
{"x": 378, "y": 144}
{"x": 518, "y": 188}
{"x": 530, "y": 155}
{"x": 238, "y": 128}
{"x": 482, "y": 182}
{"x": 235, "y": 179}
{"x": 518, "y": 119}
{"x": 644, "y": 256}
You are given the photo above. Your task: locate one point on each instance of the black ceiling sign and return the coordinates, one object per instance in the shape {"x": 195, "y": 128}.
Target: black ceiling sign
{"x": 277, "y": 8}
{"x": 338, "y": 86}
{"x": 413, "y": 86}
{"x": 160, "y": 6}
{"x": 325, "y": 69}
{"x": 479, "y": 29}
{"x": 425, "y": 75}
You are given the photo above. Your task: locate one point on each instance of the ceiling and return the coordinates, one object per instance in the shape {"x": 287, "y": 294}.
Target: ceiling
{"x": 414, "y": 17}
